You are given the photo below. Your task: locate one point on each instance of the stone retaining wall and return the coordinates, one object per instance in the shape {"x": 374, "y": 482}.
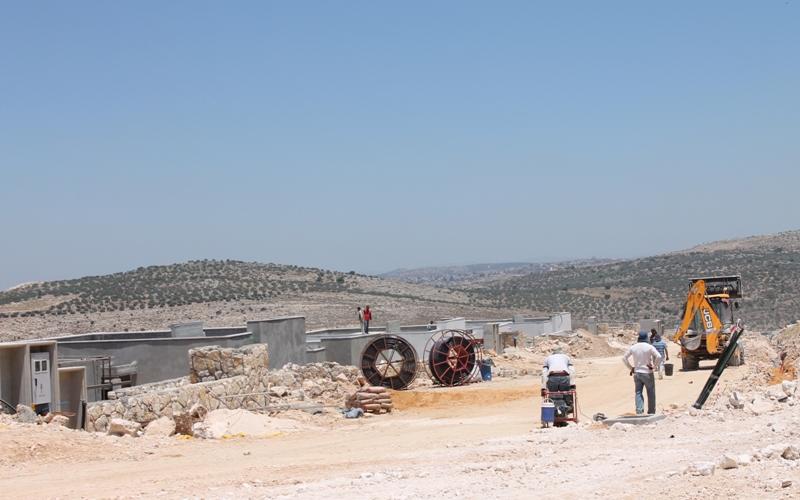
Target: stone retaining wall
{"x": 214, "y": 363}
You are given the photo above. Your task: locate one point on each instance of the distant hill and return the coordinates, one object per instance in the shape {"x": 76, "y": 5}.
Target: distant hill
{"x": 656, "y": 286}
{"x": 476, "y": 273}
{"x": 226, "y": 292}
{"x": 195, "y": 282}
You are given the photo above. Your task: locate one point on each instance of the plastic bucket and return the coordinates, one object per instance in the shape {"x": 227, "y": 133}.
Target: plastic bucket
{"x": 486, "y": 371}
{"x": 668, "y": 367}
{"x": 548, "y": 412}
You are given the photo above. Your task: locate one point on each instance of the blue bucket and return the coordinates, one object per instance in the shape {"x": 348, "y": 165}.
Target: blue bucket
{"x": 486, "y": 371}
{"x": 548, "y": 411}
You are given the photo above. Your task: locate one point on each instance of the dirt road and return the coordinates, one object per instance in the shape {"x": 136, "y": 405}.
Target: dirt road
{"x": 436, "y": 436}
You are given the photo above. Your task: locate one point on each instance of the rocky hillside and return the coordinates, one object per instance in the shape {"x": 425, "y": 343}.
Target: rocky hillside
{"x": 229, "y": 292}
{"x": 195, "y": 282}
{"x": 656, "y": 286}
{"x": 478, "y": 273}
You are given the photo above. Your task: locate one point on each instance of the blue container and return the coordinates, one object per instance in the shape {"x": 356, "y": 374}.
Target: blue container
{"x": 548, "y": 412}
{"x": 486, "y": 371}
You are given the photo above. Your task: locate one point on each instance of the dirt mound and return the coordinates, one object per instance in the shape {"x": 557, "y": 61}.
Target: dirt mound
{"x": 759, "y": 369}
{"x": 50, "y": 444}
{"x": 219, "y": 424}
{"x": 788, "y": 341}
{"x": 449, "y": 397}
{"x": 580, "y": 344}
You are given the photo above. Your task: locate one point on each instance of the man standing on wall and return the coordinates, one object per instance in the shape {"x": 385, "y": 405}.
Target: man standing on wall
{"x": 367, "y": 318}
{"x": 360, "y": 318}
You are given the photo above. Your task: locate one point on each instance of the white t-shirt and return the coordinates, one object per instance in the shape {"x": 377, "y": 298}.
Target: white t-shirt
{"x": 644, "y": 354}
{"x": 556, "y": 363}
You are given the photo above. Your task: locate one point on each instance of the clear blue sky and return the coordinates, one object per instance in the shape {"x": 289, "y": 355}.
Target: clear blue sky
{"x": 375, "y": 135}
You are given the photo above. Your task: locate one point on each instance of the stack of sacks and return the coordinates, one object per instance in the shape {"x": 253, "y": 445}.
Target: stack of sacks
{"x": 374, "y": 399}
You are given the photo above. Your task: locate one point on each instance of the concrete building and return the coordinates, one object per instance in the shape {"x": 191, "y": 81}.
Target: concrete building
{"x": 163, "y": 354}
{"x": 92, "y": 364}
{"x": 30, "y": 376}
{"x": 344, "y": 345}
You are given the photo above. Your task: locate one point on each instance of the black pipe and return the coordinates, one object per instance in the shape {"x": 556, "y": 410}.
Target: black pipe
{"x": 722, "y": 362}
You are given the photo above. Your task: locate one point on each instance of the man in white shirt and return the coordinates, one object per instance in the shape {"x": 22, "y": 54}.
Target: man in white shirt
{"x": 557, "y": 374}
{"x": 645, "y": 358}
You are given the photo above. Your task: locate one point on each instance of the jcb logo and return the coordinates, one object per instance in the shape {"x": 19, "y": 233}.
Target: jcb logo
{"x": 707, "y": 319}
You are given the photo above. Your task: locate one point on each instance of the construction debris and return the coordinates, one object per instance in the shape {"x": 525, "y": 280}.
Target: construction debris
{"x": 160, "y": 427}
{"x": 122, "y": 427}
{"x": 58, "y": 421}
{"x": 25, "y": 415}
{"x": 221, "y": 424}
{"x": 244, "y": 381}
{"x": 578, "y": 344}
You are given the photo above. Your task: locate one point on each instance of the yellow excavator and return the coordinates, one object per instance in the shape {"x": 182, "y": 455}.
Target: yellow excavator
{"x": 707, "y": 323}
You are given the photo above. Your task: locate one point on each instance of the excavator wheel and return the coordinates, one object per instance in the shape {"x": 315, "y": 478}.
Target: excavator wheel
{"x": 689, "y": 363}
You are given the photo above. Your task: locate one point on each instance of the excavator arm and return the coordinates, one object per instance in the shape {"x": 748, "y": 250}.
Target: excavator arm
{"x": 697, "y": 301}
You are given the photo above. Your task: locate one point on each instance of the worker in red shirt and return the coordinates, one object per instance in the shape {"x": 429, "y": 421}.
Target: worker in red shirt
{"x": 367, "y": 318}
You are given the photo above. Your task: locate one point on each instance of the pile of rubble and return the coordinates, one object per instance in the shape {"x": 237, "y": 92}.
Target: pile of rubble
{"x": 579, "y": 344}
{"x": 787, "y": 342}
{"x": 519, "y": 361}
{"x": 241, "y": 380}
{"x": 25, "y": 415}
{"x": 325, "y": 383}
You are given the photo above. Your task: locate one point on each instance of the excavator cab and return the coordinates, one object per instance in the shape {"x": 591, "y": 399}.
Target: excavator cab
{"x": 708, "y": 320}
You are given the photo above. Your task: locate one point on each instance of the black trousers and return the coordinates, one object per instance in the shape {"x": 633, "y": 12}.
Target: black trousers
{"x": 559, "y": 383}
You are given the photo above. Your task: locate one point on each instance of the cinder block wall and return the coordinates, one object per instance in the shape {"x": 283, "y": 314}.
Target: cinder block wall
{"x": 286, "y": 335}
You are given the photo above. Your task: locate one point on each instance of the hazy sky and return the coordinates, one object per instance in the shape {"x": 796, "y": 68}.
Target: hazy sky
{"x": 375, "y": 135}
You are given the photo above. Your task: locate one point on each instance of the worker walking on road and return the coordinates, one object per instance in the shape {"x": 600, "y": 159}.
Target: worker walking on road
{"x": 661, "y": 347}
{"x": 557, "y": 374}
{"x": 645, "y": 358}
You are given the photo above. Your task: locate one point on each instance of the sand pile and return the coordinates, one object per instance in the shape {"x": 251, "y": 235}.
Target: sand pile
{"x": 219, "y": 424}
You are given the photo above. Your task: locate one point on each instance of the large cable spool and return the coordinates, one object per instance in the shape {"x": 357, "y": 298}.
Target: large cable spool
{"x": 452, "y": 357}
{"x": 389, "y": 361}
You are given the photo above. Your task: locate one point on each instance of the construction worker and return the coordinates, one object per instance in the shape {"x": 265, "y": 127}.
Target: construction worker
{"x": 557, "y": 375}
{"x": 661, "y": 347}
{"x": 645, "y": 358}
{"x": 367, "y": 313}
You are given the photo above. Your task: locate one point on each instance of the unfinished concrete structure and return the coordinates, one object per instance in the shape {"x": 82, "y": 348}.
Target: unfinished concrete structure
{"x": 111, "y": 361}
{"x": 162, "y": 354}
{"x": 30, "y": 376}
{"x": 344, "y": 345}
